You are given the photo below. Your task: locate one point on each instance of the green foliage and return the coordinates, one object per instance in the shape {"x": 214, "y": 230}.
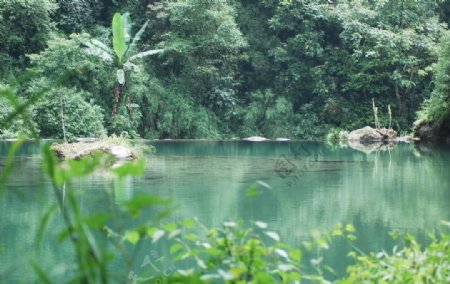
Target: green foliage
{"x": 336, "y": 135}
{"x": 231, "y": 253}
{"x": 203, "y": 46}
{"x": 268, "y": 115}
{"x": 77, "y": 15}
{"x": 64, "y": 107}
{"x": 24, "y": 26}
{"x": 87, "y": 232}
{"x": 274, "y": 68}
{"x": 19, "y": 127}
{"x": 436, "y": 109}
{"x": 396, "y": 57}
{"x": 87, "y": 73}
{"x": 123, "y": 54}
{"x": 411, "y": 264}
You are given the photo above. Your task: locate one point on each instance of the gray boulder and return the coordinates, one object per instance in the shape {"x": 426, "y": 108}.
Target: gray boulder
{"x": 369, "y": 134}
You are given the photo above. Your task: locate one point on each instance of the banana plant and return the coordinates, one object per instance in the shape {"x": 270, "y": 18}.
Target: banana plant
{"x": 123, "y": 54}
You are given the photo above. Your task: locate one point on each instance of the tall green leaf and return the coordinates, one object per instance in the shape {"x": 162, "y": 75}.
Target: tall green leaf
{"x": 137, "y": 37}
{"x": 119, "y": 41}
{"x": 127, "y": 26}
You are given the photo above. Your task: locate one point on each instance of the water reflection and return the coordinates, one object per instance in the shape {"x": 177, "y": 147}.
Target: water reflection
{"x": 403, "y": 189}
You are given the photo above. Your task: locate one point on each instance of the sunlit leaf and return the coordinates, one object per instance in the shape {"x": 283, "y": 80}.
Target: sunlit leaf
{"x": 132, "y": 237}
{"x": 286, "y": 267}
{"x": 261, "y": 225}
{"x": 119, "y": 42}
{"x": 282, "y": 253}
{"x": 175, "y": 248}
{"x": 157, "y": 235}
{"x": 145, "y": 54}
{"x": 273, "y": 235}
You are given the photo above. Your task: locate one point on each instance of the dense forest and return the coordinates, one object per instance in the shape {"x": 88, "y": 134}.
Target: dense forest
{"x": 223, "y": 69}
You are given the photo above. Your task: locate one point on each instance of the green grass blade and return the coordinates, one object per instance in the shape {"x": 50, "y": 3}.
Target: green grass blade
{"x": 41, "y": 274}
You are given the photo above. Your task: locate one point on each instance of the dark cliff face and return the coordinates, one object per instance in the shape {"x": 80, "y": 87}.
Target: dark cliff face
{"x": 434, "y": 131}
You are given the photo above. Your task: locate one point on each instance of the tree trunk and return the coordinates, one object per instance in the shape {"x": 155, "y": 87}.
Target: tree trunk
{"x": 117, "y": 96}
{"x": 399, "y": 100}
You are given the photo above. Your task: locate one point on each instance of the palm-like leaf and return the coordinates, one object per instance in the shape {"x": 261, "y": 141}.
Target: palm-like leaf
{"x": 145, "y": 53}
{"x": 119, "y": 42}
{"x": 127, "y": 26}
{"x": 136, "y": 39}
{"x": 97, "y": 50}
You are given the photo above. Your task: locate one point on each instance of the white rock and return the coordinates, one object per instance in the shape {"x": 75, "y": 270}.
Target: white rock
{"x": 255, "y": 139}
{"x": 121, "y": 152}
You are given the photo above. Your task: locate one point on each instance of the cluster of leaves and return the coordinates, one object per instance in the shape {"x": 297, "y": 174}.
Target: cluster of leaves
{"x": 411, "y": 264}
{"x": 232, "y": 253}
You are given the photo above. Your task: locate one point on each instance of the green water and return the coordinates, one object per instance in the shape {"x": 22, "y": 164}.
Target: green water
{"x": 312, "y": 186}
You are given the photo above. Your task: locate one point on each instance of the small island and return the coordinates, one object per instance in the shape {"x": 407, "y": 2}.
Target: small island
{"x": 75, "y": 151}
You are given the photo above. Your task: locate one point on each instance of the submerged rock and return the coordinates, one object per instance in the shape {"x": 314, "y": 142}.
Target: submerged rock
{"x": 255, "y": 139}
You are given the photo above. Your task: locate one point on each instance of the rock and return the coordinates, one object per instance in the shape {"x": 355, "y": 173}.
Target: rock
{"x": 426, "y": 131}
{"x": 406, "y": 139}
{"x": 255, "y": 139}
{"x": 121, "y": 152}
{"x": 365, "y": 134}
{"x": 75, "y": 151}
{"x": 369, "y": 134}
{"x": 86, "y": 139}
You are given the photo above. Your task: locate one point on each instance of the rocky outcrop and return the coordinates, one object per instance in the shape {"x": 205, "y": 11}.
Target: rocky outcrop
{"x": 75, "y": 151}
{"x": 369, "y": 134}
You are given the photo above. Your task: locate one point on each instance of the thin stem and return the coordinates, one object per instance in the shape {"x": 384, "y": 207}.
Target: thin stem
{"x": 62, "y": 120}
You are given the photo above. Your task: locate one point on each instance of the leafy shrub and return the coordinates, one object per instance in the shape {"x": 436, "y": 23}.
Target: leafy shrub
{"x": 412, "y": 264}
{"x": 231, "y": 253}
{"x": 67, "y": 106}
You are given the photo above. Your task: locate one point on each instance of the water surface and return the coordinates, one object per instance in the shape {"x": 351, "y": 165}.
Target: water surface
{"x": 312, "y": 186}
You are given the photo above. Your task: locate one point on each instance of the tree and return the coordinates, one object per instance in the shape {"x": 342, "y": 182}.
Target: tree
{"x": 392, "y": 46}
{"x": 24, "y": 26}
{"x": 204, "y": 46}
{"x": 122, "y": 55}
{"x": 433, "y": 122}
{"x": 77, "y": 15}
